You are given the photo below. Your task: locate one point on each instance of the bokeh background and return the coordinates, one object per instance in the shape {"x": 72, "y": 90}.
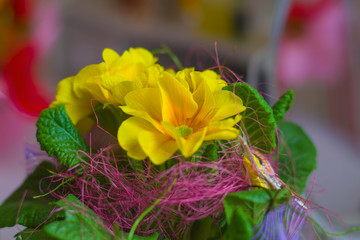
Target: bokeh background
{"x": 311, "y": 46}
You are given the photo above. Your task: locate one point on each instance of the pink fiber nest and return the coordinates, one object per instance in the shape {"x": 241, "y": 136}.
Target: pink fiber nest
{"x": 119, "y": 190}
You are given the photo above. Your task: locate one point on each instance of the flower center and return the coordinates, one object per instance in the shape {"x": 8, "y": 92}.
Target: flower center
{"x": 184, "y": 131}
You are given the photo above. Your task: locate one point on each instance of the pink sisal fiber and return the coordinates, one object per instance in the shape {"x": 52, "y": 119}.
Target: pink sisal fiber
{"x": 119, "y": 193}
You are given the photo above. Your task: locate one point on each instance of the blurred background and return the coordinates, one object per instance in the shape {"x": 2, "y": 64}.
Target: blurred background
{"x": 310, "y": 46}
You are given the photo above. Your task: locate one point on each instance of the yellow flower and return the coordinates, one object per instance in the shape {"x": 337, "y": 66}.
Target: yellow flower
{"x": 107, "y": 82}
{"x": 181, "y": 113}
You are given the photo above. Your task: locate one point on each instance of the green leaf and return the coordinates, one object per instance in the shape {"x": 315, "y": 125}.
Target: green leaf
{"x": 239, "y": 227}
{"x": 245, "y": 209}
{"x": 297, "y": 156}
{"x": 283, "y": 105}
{"x": 258, "y": 118}
{"x": 211, "y": 151}
{"x": 80, "y": 222}
{"x": 58, "y": 136}
{"x": 253, "y": 202}
{"x": 33, "y": 212}
{"x": 153, "y": 236}
{"x": 201, "y": 229}
{"x": 31, "y": 234}
{"x": 110, "y": 118}
{"x": 123, "y": 235}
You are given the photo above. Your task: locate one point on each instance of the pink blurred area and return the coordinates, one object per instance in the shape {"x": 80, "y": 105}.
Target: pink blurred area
{"x": 314, "y": 46}
{"x": 14, "y": 126}
{"x": 16, "y": 130}
{"x": 315, "y": 58}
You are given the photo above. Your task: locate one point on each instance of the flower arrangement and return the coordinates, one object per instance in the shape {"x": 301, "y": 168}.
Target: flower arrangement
{"x": 144, "y": 152}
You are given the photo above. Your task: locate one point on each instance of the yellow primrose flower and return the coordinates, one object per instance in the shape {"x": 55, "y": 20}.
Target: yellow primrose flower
{"x": 181, "y": 113}
{"x": 107, "y": 82}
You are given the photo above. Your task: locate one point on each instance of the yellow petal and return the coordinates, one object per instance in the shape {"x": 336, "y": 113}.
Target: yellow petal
{"x": 189, "y": 145}
{"x": 110, "y": 56}
{"x": 65, "y": 92}
{"x": 151, "y": 76}
{"x": 177, "y": 102}
{"x": 119, "y": 87}
{"x": 132, "y": 62}
{"x": 213, "y": 80}
{"x": 77, "y": 105}
{"x": 90, "y": 78}
{"x": 227, "y": 104}
{"x": 205, "y": 100}
{"x": 171, "y": 71}
{"x": 142, "y": 55}
{"x": 130, "y": 71}
{"x": 223, "y": 130}
{"x": 169, "y": 129}
{"x": 185, "y": 79}
{"x": 109, "y": 82}
{"x": 159, "y": 147}
{"x": 146, "y": 104}
{"x": 128, "y": 135}
{"x": 76, "y": 112}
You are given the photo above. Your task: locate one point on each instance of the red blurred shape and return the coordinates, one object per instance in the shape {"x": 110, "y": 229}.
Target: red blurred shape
{"x": 22, "y": 9}
{"x": 23, "y": 87}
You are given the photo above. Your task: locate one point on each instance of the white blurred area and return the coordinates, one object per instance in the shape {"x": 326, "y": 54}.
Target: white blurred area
{"x": 322, "y": 110}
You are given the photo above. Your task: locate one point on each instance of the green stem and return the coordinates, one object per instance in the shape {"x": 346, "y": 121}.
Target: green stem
{"x": 57, "y": 187}
{"x": 166, "y": 50}
{"x": 132, "y": 231}
{"x": 344, "y": 232}
{"x": 323, "y": 232}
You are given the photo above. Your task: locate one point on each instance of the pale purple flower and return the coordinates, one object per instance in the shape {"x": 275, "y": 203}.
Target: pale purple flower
{"x": 283, "y": 223}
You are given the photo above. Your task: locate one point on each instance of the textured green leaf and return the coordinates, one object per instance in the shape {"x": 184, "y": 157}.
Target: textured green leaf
{"x": 297, "y": 156}
{"x": 283, "y": 105}
{"x": 258, "y": 118}
{"x": 32, "y": 212}
{"x": 80, "y": 222}
{"x": 31, "y": 234}
{"x": 58, "y": 136}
